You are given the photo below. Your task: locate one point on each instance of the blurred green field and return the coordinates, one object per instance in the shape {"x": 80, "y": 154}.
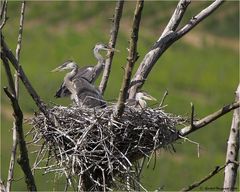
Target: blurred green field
{"x": 202, "y": 67}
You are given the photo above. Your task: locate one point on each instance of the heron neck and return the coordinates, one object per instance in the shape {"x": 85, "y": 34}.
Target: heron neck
{"x": 99, "y": 57}
{"x": 71, "y": 74}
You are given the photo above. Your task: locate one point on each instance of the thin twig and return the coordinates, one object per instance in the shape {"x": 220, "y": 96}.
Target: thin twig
{"x": 231, "y": 169}
{"x": 132, "y": 57}
{"x": 163, "y": 98}
{"x": 23, "y": 158}
{"x": 18, "y": 49}
{"x": 14, "y": 136}
{"x": 192, "y": 115}
{"x": 206, "y": 178}
{"x": 208, "y": 119}
{"x": 3, "y": 13}
{"x": 112, "y": 43}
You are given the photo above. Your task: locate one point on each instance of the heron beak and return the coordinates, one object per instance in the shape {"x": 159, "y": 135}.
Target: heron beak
{"x": 57, "y": 69}
{"x": 149, "y": 97}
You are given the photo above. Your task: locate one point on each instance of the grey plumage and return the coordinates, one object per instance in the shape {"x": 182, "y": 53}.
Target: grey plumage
{"x": 81, "y": 91}
{"x": 89, "y": 73}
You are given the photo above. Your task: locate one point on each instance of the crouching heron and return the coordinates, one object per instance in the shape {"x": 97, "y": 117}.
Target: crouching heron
{"x": 139, "y": 100}
{"x": 82, "y": 92}
{"x": 90, "y": 73}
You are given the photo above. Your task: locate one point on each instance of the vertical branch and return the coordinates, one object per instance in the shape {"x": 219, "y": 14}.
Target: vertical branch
{"x": 112, "y": 42}
{"x": 18, "y": 134}
{"x": 232, "y": 149}
{"x": 3, "y": 13}
{"x": 23, "y": 157}
{"x": 18, "y": 49}
{"x": 132, "y": 57}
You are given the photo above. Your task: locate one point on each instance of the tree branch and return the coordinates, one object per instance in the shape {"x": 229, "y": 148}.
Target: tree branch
{"x": 132, "y": 57}
{"x": 176, "y": 17}
{"x": 167, "y": 39}
{"x": 18, "y": 49}
{"x": 23, "y": 159}
{"x": 41, "y": 105}
{"x": 3, "y": 13}
{"x": 208, "y": 119}
{"x": 210, "y": 175}
{"x": 199, "y": 17}
{"x": 112, "y": 43}
{"x": 232, "y": 149}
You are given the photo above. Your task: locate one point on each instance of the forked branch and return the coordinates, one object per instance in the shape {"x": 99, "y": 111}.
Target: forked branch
{"x": 169, "y": 36}
{"x": 208, "y": 119}
{"x": 41, "y": 105}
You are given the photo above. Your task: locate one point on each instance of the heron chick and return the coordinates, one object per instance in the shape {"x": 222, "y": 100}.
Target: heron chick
{"x": 81, "y": 91}
{"x": 139, "y": 100}
{"x": 90, "y": 73}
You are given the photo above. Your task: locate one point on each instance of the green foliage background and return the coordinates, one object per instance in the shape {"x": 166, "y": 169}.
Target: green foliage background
{"x": 201, "y": 68}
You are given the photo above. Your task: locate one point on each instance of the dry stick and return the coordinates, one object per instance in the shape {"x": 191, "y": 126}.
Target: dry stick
{"x": 132, "y": 57}
{"x": 23, "y": 159}
{"x": 208, "y": 119}
{"x": 19, "y": 137}
{"x": 170, "y": 36}
{"x": 3, "y": 13}
{"x": 14, "y": 144}
{"x": 210, "y": 175}
{"x": 15, "y": 95}
{"x": 18, "y": 49}
{"x": 112, "y": 42}
{"x": 232, "y": 149}
{"x": 41, "y": 105}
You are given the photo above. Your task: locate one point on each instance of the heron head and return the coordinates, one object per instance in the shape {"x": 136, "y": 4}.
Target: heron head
{"x": 68, "y": 65}
{"x": 102, "y": 46}
{"x": 142, "y": 95}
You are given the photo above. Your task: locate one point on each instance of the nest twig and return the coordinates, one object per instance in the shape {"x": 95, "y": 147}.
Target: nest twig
{"x": 98, "y": 149}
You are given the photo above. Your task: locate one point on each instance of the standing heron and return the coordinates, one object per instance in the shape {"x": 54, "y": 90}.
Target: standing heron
{"x": 82, "y": 92}
{"x": 90, "y": 73}
{"x": 139, "y": 100}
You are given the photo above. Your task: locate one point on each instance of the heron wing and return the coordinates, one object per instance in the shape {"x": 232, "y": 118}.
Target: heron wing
{"x": 62, "y": 91}
{"x": 87, "y": 93}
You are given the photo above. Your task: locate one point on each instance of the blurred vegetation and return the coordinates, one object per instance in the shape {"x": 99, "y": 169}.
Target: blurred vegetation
{"x": 201, "y": 68}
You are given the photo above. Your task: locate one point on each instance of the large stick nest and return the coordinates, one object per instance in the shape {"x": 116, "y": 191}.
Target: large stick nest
{"x": 97, "y": 148}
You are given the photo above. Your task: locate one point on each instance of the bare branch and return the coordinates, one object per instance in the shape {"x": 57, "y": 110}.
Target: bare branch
{"x": 18, "y": 49}
{"x": 132, "y": 57}
{"x": 232, "y": 149}
{"x": 112, "y": 43}
{"x": 163, "y": 98}
{"x": 169, "y": 37}
{"x": 3, "y": 13}
{"x": 210, "y": 175}
{"x": 198, "y": 18}
{"x": 176, "y": 17}
{"x": 2, "y": 186}
{"x": 23, "y": 159}
{"x": 8, "y": 72}
{"x": 41, "y": 105}
{"x": 208, "y": 119}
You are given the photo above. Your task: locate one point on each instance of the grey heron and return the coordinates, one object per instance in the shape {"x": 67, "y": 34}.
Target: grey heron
{"x": 82, "y": 92}
{"x": 90, "y": 73}
{"x": 139, "y": 100}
